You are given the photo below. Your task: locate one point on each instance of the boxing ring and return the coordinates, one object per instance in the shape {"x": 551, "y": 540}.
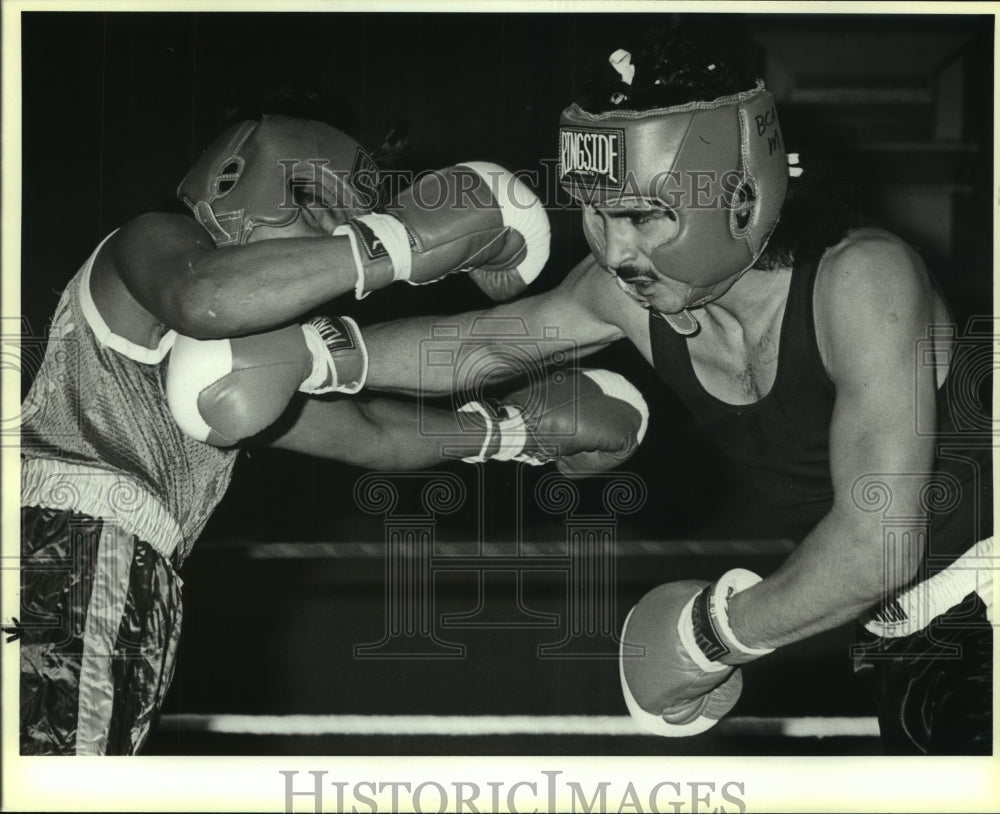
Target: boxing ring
{"x": 422, "y": 644}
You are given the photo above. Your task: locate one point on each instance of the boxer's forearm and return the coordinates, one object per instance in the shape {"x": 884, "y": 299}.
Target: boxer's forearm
{"x": 836, "y": 574}
{"x": 172, "y": 269}
{"x": 444, "y": 354}
{"x": 434, "y": 356}
{"x": 380, "y": 433}
{"x": 232, "y": 292}
{"x": 397, "y": 350}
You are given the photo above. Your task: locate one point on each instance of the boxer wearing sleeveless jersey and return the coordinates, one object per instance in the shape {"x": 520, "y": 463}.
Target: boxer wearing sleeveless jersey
{"x": 822, "y": 359}
{"x": 114, "y": 494}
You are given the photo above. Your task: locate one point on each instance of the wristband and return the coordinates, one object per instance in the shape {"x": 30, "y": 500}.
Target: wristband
{"x": 476, "y": 407}
{"x": 380, "y": 236}
{"x": 329, "y": 338}
{"x": 513, "y": 435}
{"x": 707, "y": 632}
{"x": 510, "y": 431}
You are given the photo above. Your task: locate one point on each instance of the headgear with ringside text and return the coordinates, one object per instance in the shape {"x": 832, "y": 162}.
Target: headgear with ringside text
{"x": 719, "y": 166}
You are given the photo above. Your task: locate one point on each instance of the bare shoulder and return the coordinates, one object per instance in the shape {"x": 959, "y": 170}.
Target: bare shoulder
{"x": 155, "y": 233}
{"x": 869, "y": 263}
{"x": 870, "y": 287}
{"x": 134, "y": 262}
{"x": 151, "y": 249}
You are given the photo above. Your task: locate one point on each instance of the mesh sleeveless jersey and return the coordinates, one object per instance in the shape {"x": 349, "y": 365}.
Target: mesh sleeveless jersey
{"x": 93, "y": 406}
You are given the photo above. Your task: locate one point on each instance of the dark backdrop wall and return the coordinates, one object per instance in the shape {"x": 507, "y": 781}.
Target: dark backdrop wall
{"x": 117, "y": 106}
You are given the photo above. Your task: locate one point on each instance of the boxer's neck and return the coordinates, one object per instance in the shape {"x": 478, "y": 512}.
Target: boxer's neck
{"x": 735, "y": 353}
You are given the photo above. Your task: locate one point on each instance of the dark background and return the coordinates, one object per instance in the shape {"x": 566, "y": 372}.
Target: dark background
{"x": 117, "y": 106}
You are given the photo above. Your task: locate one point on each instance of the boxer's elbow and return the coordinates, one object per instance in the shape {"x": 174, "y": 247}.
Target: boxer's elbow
{"x": 389, "y": 442}
{"x": 884, "y": 562}
{"x": 196, "y": 308}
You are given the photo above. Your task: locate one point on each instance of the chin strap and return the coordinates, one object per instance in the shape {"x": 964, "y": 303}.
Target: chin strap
{"x": 683, "y": 323}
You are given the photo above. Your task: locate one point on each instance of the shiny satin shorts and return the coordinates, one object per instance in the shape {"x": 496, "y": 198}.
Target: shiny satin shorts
{"x": 100, "y": 619}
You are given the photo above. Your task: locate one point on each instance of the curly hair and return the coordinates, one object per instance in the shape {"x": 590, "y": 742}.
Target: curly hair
{"x": 672, "y": 68}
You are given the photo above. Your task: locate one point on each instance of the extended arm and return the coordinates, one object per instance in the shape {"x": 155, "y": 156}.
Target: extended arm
{"x": 587, "y": 422}
{"x": 228, "y": 390}
{"x": 441, "y": 354}
{"x": 377, "y": 433}
{"x": 482, "y": 219}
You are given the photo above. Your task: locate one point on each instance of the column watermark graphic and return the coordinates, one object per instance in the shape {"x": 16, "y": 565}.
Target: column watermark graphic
{"x": 583, "y": 562}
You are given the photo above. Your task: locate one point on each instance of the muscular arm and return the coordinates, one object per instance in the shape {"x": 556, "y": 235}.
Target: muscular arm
{"x": 588, "y": 422}
{"x": 170, "y": 267}
{"x": 376, "y": 433}
{"x": 873, "y": 302}
{"x": 441, "y": 354}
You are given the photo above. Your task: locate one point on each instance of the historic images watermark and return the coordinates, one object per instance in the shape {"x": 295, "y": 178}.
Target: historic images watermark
{"x": 547, "y": 791}
{"x": 313, "y": 183}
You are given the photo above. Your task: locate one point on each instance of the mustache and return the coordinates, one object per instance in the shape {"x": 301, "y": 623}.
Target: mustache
{"x": 627, "y": 272}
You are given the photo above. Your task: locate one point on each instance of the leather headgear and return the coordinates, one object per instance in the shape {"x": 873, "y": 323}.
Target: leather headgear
{"x": 243, "y": 186}
{"x": 720, "y": 166}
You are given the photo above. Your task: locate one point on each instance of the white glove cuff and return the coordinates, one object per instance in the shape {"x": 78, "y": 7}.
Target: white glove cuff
{"x": 521, "y": 211}
{"x": 513, "y": 435}
{"x": 729, "y": 584}
{"x": 390, "y": 232}
{"x": 617, "y": 386}
{"x": 322, "y": 368}
{"x": 324, "y": 377}
{"x": 512, "y": 432}
{"x": 476, "y": 407}
{"x": 359, "y": 285}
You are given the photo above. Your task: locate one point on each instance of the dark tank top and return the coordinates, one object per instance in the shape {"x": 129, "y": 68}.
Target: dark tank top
{"x": 778, "y": 447}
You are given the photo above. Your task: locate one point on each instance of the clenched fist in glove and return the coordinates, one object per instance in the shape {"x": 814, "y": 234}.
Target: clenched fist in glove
{"x": 586, "y": 421}
{"x": 688, "y": 676}
{"x": 222, "y": 391}
{"x": 475, "y": 217}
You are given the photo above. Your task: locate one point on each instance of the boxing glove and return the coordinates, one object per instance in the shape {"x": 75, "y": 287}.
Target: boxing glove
{"x": 586, "y": 421}
{"x": 221, "y": 391}
{"x": 687, "y": 677}
{"x": 474, "y": 217}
